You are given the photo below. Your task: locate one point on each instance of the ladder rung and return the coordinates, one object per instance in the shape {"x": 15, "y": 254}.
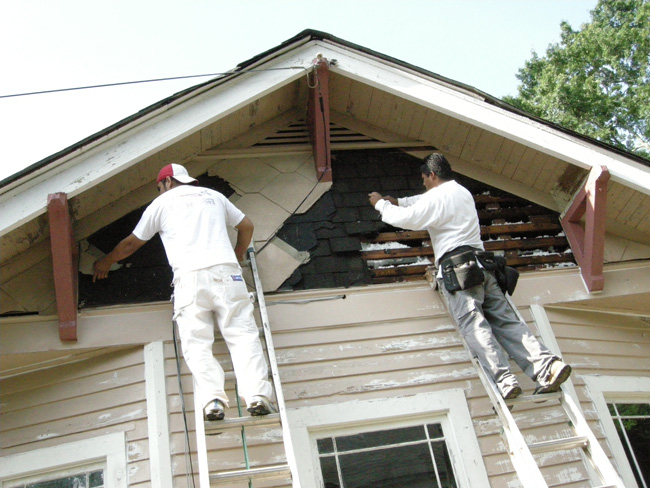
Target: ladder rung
{"x": 559, "y": 444}
{"x": 266, "y": 472}
{"x": 534, "y": 398}
{"x": 235, "y": 422}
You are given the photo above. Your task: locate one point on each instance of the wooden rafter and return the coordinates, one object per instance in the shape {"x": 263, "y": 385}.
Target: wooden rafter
{"x": 318, "y": 119}
{"x": 588, "y": 240}
{"x": 65, "y": 263}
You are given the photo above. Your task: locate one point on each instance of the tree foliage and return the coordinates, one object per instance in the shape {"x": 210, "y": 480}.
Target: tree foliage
{"x": 596, "y": 81}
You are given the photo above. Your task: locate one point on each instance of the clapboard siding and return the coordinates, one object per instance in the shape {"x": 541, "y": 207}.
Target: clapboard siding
{"x": 330, "y": 363}
{"x": 79, "y": 401}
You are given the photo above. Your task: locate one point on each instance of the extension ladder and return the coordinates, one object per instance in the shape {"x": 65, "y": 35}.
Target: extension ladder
{"x": 521, "y": 452}
{"x": 249, "y": 474}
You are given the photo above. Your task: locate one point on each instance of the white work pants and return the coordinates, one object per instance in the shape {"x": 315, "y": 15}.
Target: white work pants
{"x": 219, "y": 294}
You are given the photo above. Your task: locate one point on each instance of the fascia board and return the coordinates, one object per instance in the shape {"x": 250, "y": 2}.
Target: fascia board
{"x": 144, "y": 138}
{"x": 472, "y": 109}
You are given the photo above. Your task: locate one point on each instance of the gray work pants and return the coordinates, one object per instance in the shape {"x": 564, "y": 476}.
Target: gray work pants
{"x": 486, "y": 320}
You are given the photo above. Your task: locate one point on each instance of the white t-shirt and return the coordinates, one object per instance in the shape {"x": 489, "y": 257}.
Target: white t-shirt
{"x": 192, "y": 222}
{"x": 447, "y": 212}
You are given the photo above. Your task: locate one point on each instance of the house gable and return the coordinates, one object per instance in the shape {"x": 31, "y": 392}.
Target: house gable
{"x": 230, "y": 119}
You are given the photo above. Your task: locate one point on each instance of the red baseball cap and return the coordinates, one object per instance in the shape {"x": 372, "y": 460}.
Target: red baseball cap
{"x": 177, "y": 172}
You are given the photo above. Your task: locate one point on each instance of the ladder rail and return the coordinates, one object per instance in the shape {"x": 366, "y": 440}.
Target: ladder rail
{"x": 201, "y": 444}
{"x": 595, "y": 453}
{"x": 522, "y": 459}
{"x": 273, "y": 364}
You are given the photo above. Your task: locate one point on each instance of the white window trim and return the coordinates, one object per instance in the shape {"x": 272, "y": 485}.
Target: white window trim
{"x": 448, "y": 407}
{"x": 617, "y": 389}
{"x": 109, "y": 448}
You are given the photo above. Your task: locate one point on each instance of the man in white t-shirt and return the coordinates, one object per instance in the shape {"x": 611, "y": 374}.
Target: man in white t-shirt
{"x": 208, "y": 286}
{"x": 483, "y": 315}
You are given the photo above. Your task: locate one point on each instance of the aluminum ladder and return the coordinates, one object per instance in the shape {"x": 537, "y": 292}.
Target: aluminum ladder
{"x": 521, "y": 452}
{"x": 249, "y": 474}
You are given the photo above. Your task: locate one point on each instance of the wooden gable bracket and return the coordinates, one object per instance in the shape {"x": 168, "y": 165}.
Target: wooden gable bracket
{"x": 65, "y": 263}
{"x": 318, "y": 118}
{"x": 588, "y": 242}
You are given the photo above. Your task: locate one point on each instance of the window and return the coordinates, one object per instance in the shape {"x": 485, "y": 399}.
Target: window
{"x": 632, "y": 421}
{"x": 410, "y": 456}
{"x": 83, "y": 478}
{"x": 375, "y": 443}
{"x": 623, "y": 407}
{"x": 98, "y": 462}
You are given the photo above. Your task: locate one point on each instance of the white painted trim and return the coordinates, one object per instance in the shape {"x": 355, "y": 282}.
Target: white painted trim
{"x": 144, "y": 137}
{"x": 471, "y": 108}
{"x": 160, "y": 465}
{"x": 548, "y": 338}
{"x": 448, "y": 408}
{"x": 110, "y": 448}
{"x": 621, "y": 389}
{"x": 28, "y": 200}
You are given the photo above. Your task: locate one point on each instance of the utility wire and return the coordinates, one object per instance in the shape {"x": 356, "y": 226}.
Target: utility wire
{"x": 123, "y": 83}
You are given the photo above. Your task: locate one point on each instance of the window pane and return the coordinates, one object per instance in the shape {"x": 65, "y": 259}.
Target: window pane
{"x": 637, "y": 431}
{"x": 443, "y": 463}
{"x": 380, "y": 438}
{"x": 389, "y": 468}
{"x": 435, "y": 431}
{"x": 325, "y": 446}
{"x": 329, "y": 472}
{"x": 96, "y": 479}
{"x": 69, "y": 482}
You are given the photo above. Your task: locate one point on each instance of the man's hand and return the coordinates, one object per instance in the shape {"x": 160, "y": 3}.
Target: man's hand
{"x": 101, "y": 267}
{"x": 123, "y": 250}
{"x": 374, "y": 197}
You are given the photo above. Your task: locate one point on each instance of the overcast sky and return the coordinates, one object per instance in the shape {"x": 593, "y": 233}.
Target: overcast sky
{"x": 54, "y": 44}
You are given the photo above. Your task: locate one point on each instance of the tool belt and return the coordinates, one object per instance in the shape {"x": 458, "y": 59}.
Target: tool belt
{"x": 460, "y": 269}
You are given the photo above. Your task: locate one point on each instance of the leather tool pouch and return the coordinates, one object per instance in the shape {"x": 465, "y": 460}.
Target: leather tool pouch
{"x": 461, "y": 271}
{"x": 506, "y": 276}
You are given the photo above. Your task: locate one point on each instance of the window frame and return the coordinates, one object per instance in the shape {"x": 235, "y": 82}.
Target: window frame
{"x": 617, "y": 389}
{"x": 448, "y": 408}
{"x": 109, "y": 449}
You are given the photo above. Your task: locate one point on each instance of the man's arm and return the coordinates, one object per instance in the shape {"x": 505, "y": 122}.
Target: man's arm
{"x": 374, "y": 197}
{"x": 244, "y": 236}
{"x": 123, "y": 250}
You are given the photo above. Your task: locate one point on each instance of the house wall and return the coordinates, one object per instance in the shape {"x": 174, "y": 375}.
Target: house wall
{"x": 392, "y": 342}
{"x": 80, "y": 401}
{"x": 334, "y": 347}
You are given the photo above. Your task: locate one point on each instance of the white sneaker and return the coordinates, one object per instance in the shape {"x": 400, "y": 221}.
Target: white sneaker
{"x": 260, "y": 405}
{"x": 214, "y": 410}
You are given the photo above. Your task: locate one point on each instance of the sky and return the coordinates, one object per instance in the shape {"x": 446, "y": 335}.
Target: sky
{"x": 48, "y": 45}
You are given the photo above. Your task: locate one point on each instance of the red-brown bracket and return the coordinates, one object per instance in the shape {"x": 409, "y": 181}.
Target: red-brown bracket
{"x": 65, "y": 262}
{"x": 588, "y": 241}
{"x": 318, "y": 119}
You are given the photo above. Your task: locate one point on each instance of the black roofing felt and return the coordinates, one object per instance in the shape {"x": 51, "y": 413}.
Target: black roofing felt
{"x": 302, "y": 37}
{"x": 331, "y": 231}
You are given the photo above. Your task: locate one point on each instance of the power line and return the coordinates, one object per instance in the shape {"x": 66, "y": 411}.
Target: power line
{"x": 106, "y": 85}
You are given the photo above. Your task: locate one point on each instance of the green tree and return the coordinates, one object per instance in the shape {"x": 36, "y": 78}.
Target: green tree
{"x": 596, "y": 81}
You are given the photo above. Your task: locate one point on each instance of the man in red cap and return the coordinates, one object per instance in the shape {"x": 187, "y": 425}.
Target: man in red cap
{"x": 192, "y": 222}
